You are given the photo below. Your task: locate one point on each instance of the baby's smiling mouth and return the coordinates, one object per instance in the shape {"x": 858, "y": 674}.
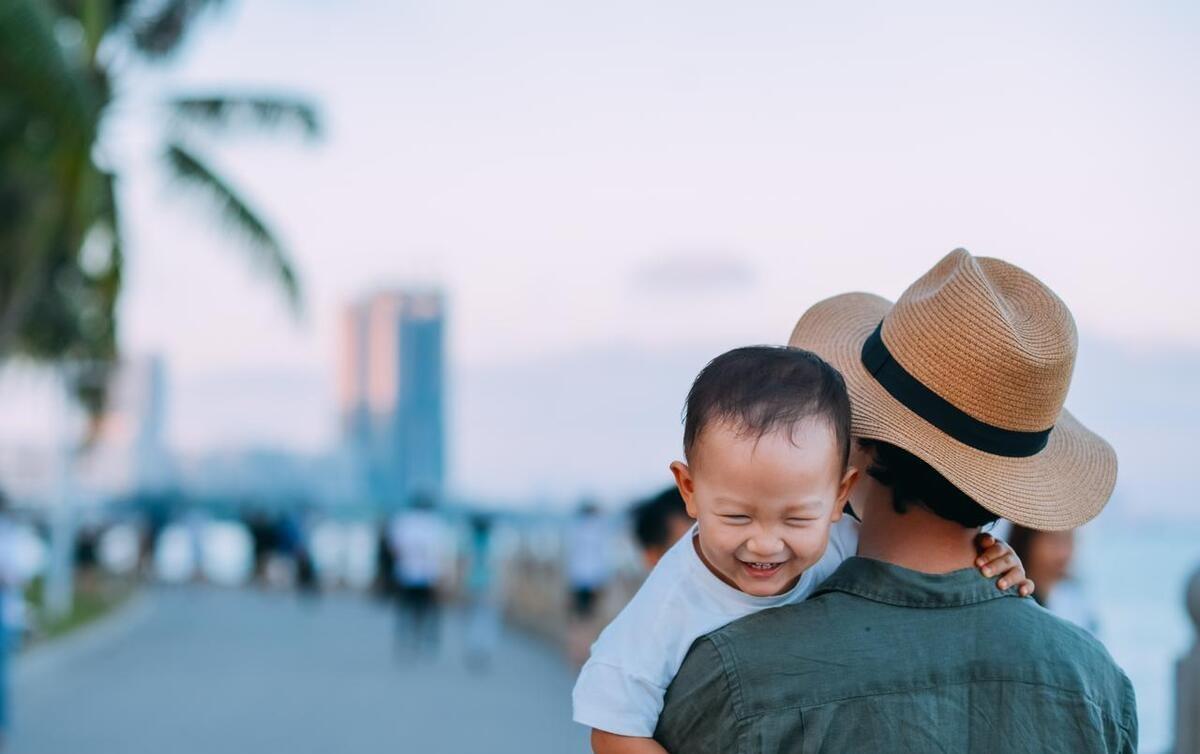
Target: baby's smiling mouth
{"x": 761, "y": 569}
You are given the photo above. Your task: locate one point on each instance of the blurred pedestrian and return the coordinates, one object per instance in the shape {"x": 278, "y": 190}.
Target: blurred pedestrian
{"x": 588, "y": 557}
{"x": 418, "y": 540}
{"x": 307, "y": 583}
{"x": 87, "y": 541}
{"x": 483, "y": 625}
{"x": 155, "y": 516}
{"x": 12, "y": 604}
{"x": 660, "y": 522}
{"x": 1047, "y": 556}
{"x": 292, "y": 534}
{"x": 262, "y": 533}
{"x": 385, "y": 564}
{"x": 589, "y": 561}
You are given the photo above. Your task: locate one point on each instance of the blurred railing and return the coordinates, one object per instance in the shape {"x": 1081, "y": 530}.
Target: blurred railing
{"x": 537, "y": 596}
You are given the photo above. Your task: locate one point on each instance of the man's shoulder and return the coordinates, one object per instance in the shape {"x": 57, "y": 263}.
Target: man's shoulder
{"x": 838, "y": 644}
{"x": 1048, "y": 640}
{"x": 817, "y": 621}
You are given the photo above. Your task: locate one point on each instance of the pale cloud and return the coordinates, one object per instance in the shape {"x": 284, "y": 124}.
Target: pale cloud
{"x": 704, "y": 272}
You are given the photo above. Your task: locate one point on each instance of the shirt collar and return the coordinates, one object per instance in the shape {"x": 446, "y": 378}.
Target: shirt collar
{"x": 884, "y": 582}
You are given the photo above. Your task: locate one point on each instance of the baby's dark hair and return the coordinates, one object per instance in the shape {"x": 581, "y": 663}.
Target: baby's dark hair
{"x": 764, "y": 388}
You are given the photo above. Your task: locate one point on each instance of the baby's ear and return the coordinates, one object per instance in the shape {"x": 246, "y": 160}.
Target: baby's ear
{"x": 687, "y": 487}
{"x": 845, "y": 487}
{"x": 849, "y": 479}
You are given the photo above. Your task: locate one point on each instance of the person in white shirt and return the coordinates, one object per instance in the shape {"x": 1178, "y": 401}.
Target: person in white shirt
{"x": 13, "y": 577}
{"x": 589, "y": 564}
{"x": 418, "y": 539}
{"x": 767, "y": 440}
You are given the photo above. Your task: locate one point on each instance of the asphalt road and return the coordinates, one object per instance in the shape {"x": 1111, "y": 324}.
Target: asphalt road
{"x": 200, "y": 670}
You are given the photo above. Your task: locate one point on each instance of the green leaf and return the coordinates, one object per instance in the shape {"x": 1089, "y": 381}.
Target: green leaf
{"x": 265, "y": 112}
{"x": 265, "y": 249}
{"x": 35, "y": 71}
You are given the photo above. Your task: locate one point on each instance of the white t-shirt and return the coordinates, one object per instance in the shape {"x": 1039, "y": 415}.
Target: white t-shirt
{"x": 621, "y": 687}
{"x": 588, "y": 552}
{"x": 419, "y": 540}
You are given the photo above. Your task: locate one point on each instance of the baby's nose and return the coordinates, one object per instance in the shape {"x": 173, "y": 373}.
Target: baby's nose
{"x": 764, "y": 545}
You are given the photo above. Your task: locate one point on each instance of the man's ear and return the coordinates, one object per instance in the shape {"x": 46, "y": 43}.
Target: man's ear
{"x": 849, "y": 479}
{"x": 687, "y": 487}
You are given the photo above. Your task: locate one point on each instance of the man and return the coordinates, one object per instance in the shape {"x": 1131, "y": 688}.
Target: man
{"x": 957, "y": 393}
{"x": 13, "y": 577}
{"x": 658, "y": 523}
{"x": 419, "y": 543}
{"x": 589, "y": 556}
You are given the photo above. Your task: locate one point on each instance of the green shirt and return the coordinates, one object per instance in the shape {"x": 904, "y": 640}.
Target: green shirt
{"x": 884, "y": 659}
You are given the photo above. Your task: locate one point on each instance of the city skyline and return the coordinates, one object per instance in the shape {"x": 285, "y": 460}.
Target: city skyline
{"x": 670, "y": 181}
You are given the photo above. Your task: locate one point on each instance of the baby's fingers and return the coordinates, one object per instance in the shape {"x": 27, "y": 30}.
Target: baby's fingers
{"x": 984, "y": 541}
{"x": 1005, "y": 564}
{"x": 992, "y": 554}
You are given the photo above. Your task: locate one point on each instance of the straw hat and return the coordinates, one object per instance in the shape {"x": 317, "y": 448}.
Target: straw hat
{"x": 968, "y": 371}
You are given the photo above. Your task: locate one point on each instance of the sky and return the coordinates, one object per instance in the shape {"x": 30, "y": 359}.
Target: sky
{"x": 651, "y": 182}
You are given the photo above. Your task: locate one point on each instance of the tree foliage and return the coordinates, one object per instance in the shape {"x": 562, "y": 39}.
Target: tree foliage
{"x": 61, "y": 250}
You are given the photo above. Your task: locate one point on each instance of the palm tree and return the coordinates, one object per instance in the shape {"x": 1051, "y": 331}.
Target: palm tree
{"x": 61, "y": 247}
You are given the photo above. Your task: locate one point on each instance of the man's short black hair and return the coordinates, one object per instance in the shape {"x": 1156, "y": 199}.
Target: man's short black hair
{"x": 651, "y": 518}
{"x": 914, "y": 482}
{"x": 764, "y": 388}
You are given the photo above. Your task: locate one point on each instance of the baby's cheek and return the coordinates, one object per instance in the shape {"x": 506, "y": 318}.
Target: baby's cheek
{"x": 811, "y": 548}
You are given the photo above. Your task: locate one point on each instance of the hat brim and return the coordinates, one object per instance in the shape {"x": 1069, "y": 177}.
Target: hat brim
{"x": 1064, "y": 486}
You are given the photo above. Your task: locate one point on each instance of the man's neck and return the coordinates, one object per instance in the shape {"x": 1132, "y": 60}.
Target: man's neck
{"x": 916, "y": 539}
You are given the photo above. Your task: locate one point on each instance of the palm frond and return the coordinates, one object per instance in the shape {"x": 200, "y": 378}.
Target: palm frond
{"x": 108, "y": 281}
{"x": 266, "y": 112}
{"x": 266, "y": 250}
{"x": 159, "y": 33}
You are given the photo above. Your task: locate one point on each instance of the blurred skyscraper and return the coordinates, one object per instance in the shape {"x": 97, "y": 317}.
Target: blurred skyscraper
{"x": 391, "y": 392}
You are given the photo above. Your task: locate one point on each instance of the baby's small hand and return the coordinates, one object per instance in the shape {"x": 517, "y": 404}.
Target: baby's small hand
{"x": 996, "y": 557}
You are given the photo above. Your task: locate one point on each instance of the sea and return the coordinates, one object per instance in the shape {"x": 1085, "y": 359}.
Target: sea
{"x": 1135, "y": 573}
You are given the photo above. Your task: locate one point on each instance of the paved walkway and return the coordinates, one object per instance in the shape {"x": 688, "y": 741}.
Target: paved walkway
{"x": 204, "y": 670}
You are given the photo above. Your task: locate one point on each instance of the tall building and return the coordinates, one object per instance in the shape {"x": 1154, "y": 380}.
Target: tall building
{"x": 391, "y": 392}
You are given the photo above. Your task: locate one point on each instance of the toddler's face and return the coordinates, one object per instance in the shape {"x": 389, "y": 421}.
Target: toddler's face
{"x": 764, "y": 504}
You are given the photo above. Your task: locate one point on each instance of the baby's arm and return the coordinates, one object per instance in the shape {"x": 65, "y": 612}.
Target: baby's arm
{"x": 604, "y": 742}
{"x": 620, "y": 689}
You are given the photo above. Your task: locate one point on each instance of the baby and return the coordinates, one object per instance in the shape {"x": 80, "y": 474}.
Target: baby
{"x": 767, "y": 443}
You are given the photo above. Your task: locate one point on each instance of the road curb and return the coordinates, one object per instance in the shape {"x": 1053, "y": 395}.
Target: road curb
{"x": 45, "y": 658}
